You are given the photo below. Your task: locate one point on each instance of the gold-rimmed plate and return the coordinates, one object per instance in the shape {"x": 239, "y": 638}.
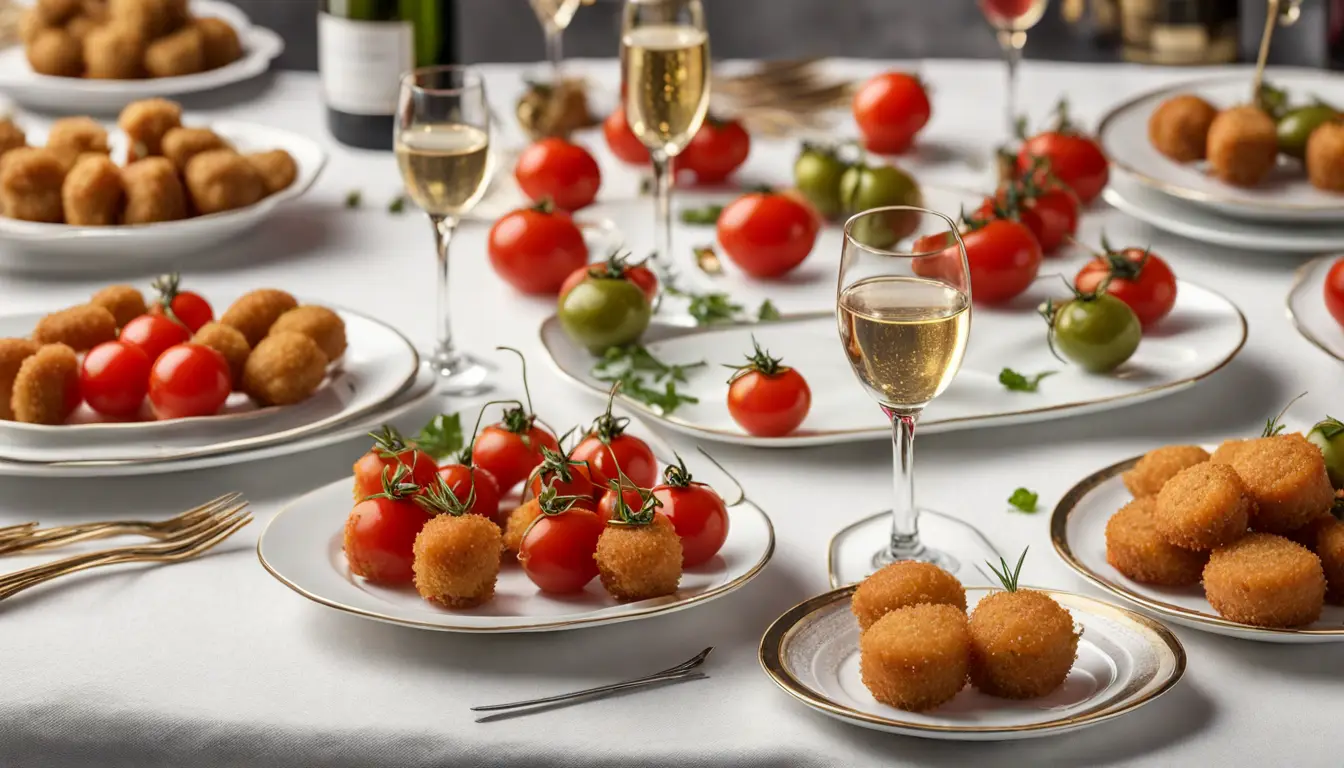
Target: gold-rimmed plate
{"x": 1285, "y": 196}
{"x": 1125, "y": 660}
{"x": 1078, "y": 532}
{"x": 1307, "y": 311}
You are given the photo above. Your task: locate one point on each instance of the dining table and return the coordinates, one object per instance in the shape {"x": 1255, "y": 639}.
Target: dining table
{"x": 212, "y": 662}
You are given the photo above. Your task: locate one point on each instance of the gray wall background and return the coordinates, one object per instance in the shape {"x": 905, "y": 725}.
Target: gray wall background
{"x": 506, "y": 30}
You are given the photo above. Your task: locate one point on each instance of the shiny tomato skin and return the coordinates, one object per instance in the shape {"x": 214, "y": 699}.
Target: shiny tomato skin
{"x": 556, "y": 170}
{"x": 557, "y": 552}
{"x": 631, "y": 454}
{"x": 189, "y": 380}
{"x": 1052, "y": 216}
{"x": 153, "y": 334}
{"x": 505, "y": 455}
{"x": 622, "y": 141}
{"x": 580, "y": 483}
{"x": 640, "y": 275}
{"x": 189, "y": 307}
{"x": 114, "y": 379}
{"x": 534, "y": 251}
{"x": 463, "y": 480}
{"x": 718, "y": 148}
{"x": 769, "y": 406}
{"x": 1004, "y": 259}
{"x": 700, "y": 518}
{"x": 891, "y": 109}
{"x": 1334, "y": 291}
{"x": 1151, "y": 295}
{"x": 766, "y": 235}
{"x": 380, "y": 539}
{"x": 606, "y": 507}
{"x": 370, "y": 467}
{"x": 1076, "y": 160}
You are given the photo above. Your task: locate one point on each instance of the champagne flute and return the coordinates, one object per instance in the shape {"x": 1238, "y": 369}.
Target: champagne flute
{"x": 443, "y": 151}
{"x": 665, "y": 82}
{"x": 904, "y": 311}
{"x": 555, "y": 17}
{"x": 1012, "y": 19}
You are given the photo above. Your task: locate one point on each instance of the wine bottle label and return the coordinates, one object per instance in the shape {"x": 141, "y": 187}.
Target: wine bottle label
{"x": 360, "y": 63}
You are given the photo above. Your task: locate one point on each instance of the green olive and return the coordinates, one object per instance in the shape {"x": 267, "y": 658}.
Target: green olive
{"x": 1097, "y": 333}
{"x": 817, "y": 173}
{"x": 1328, "y": 435}
{"x": 865, "y": 187}
{"x": 601, "y": 312}
{"x": 1296, "y": 127}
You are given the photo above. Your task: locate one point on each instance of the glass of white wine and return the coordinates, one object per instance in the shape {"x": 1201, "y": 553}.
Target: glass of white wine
{"x": 1011, "y": 20}
{"x": 665, "y": 82}
{"x": 904, "y": 310}
{"x": 443, "y": 151}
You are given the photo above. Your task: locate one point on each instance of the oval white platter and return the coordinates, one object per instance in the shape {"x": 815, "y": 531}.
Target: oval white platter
{"x": 1286, "y": 195}
{"x": 40, "y": 247}
{"x": 1199, "y": 337}
{"x": 1078, "y": 532}
{"x": 1125, "y": 660}
{"x": 105, "y": 97}
{"x": 1306, "y": 308}
{"x": 378, "y": 364}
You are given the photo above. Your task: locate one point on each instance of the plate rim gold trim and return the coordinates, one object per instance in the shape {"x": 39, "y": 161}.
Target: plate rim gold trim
{"x": 1299, "y": 280}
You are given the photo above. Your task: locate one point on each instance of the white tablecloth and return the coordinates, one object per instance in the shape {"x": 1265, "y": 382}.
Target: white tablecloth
{"x": 213, "y": 662}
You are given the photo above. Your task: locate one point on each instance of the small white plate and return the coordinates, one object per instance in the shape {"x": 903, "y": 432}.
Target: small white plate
{"x": 1125, "y": 660}
{"x": 302, "y": 547}
{"x": 1306, "y": 307}
{"x": 40, "y": 247}
{"x": 378, "y": 363}
{"x": 1181, "y": 217}
{"x": 1286, "y": 195}
{"x": 1199, "y": 337}
{"x": 107, "y": 97}
{"x": 1078, "y": 531}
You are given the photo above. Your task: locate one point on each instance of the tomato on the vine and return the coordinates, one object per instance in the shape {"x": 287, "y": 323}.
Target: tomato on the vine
{"x": 1047, "y": 208}
{"x": 153, "y": 334}
{"x": 557, "y": 551}
{"x": 1075, "y": 158}
{"x": 189, "y": 380}
{"x": 1002, "y": 254}
{"x": 606, "y": 507}
{"x": 697, "y": 513}
{"x": 767, "y": 398}
{"x": 535, "y": 249}
{"x": 610, "y": 452}
{"x": 390, "y": 450}
{"x": 511, "y": 448}
{"x": 718, "y": 148}
{"x": 380, "y": 531}
{"x": 557, "y": 170}
{"x": 616, "y": 267}
{"x": 1136, "y": 276}
{"x": 114, "y": 379}
{"x": 475, "y": 488}
{"x": 1097, "y": 331}
{"x": 190, "y": 308}
{"x": 1334, "y": 291}
{"x": 623, "y": 143}
{"x": 891, "y": 109}
{"x": 767, "y": 234}
{"x": 566, "y": 474}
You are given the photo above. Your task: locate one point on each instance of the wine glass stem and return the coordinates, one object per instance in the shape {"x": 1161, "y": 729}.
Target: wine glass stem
{"x": 1012, "y": 43}
{"x": 444, "y": 226}
{"x": 662, "y": 201}
{"x": 555, "y": 50}
{"x": 905, "y": 544}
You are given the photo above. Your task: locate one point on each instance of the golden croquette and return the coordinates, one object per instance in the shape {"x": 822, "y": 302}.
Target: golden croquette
{"x": 114, "y": 51}
{"x": 1203, "y": 507}
{"x": 277, "y": 168}
{"x": 904, "y": 583}
{"x": 1329, "y": 548}
{"x": 317, "y": 323}
{"x": 1228, "y": 450}
{"x": 146, "y": 122}
{"x": 182, "y": 144}
{"x": 517, "y": 523}
{"x": 149, "y": 18}
{"x": 80, "y": 27}
{"x": 12, "y": 354}
{"x": 1325, "y": 157}
{"x": 916, "y": 658}
{"x": 74, "y": 136}
{"x": 93, "y": 194}
{"x": 177, "y": 54}
{"x": 31, "y": 24}
{"x": 457, "y": 560}
{"x": 46, "y": 388}
{"x": 11, "y": 136}
{"x": 1159, "y": 465}
{"x": 125, "y": 302}
{"x": 1179, "y": 127}
{"x": 254, "y": 313}
{"x": 1023, "y": 644}
{"x": 220, "y": 41}
{"x": 639, "y": 562}
{"x": 154, "y": 192}
{"x": 57, "y": 53}
{"x": 1243, "y": 145}
{"x": 1135, "y": 548}
{"x": 229, "y": 342}
{"x": 57, "y": 12}
{"x": 81, "y": 328}
{"x": 30, "y": 185}
{"x": 1286, "y": 478}
{"x": 284, "y": 369}
{"x": 1265, "y": 580}
{"x": 221, "y": 180}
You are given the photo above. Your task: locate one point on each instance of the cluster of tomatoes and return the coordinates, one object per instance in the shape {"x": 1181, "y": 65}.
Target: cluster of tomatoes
{"x": 153, "y": 355}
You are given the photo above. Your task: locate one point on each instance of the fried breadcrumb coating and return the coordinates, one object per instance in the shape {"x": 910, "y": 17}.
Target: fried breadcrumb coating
{"x": 903, "y": 583}
{"x": 1266, "y": 581}
{"x": 916, "y": 658}
{"x": 457, "y": 560}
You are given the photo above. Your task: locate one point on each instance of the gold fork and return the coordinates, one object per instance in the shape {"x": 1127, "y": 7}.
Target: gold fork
{"x": 183, "y": 545}
{"x": 26, "y": 537}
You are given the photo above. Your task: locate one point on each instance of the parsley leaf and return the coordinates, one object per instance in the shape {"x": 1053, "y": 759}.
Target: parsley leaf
{"x": 767, "y": 312}
{"x": 1024, "y": 500}
{"x": 707, "y": 215}
{"x": 710, "y": 308}
{"x": 442, "y": 436}
{"x": 644, "y": 377}
{"x": 397, "y": 205}
{"x": 353, "y": 198}
{"x": 1017, "y": 382}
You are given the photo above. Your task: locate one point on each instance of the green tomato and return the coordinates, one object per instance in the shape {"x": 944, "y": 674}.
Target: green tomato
{"x": 1296, "y": 127}
{"x": 864, "y": 187}
{"x": 817, "y": 173}
{"x": 1328, "y": 435}
{"x": 601, "y": 312}
{"x": 1098, "y": 333}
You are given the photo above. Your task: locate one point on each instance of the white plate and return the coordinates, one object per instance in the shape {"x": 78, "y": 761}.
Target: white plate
{"x": 1285, "y": 196}
{"x": 1181, "y": 217}
{"x": 302, "y": 547}
{"x": 1124, "y": 661}
{"x": 107, "y": 97}
{"x": 1200, "y": 336}
{"x": 35, "y": 246}
{"x": 1306, "y": 307}
{"x": 410, "y": 401}
{"x": 1078, "y": 531}
{"x": 378, "y": 363}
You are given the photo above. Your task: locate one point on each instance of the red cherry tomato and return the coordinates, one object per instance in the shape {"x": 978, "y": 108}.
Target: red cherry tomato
{"x": 557, "y": 552}
{"x": 718, "y": 148}
{"x": 698, "y": 514}
{"x": 766, "y": 235}
{"x": 769, "y": 405}
{"x": 557, "y": 170}
{"x": 380, "y": 539}
{"x": 189, "y": 307}
{"x": 638, "y": 274}
{"x": 535, "y": 249}
{"x": 1004, "y": 258}
{"x": 1334, "y": 291}
{"x": 578, "y": 483}
{"x": 189, "y": 380}
{"x": 1050, "y": 214}
{"x": 890, "y": 109}
{"x": 464, "y": 481}
{"x": 507, "y": 455}
{"x": 1076, "y": 160}
{"x": 622, "y": 141}
{"x": 631, "y": 454}
{"x": 1139, "y": 278}
{"x": 606, "y": 508}
{"x": 114, "y": 379}
{"x": 153, "y": 334}
{"x": 390, "y": 450}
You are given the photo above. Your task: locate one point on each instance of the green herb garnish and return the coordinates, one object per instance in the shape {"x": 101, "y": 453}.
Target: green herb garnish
{"x": 397, "y": 205}
{"x": 767, "y": 312}
{"x": 442, "y": 436}
{"x": 1275, "y": 426}
{"x": 1024, "y": 500}
{"x": 1017, "y": 382}
{"x": 707, "y": 215}
{"x": 645, "y": 378}
{"x": 1008, "y": 578}
{"x": 353, "y": 198}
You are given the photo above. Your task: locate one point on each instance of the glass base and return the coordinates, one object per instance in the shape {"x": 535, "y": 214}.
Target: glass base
{"x": 461, "y": 373}
{"x": 956, "y": 546}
